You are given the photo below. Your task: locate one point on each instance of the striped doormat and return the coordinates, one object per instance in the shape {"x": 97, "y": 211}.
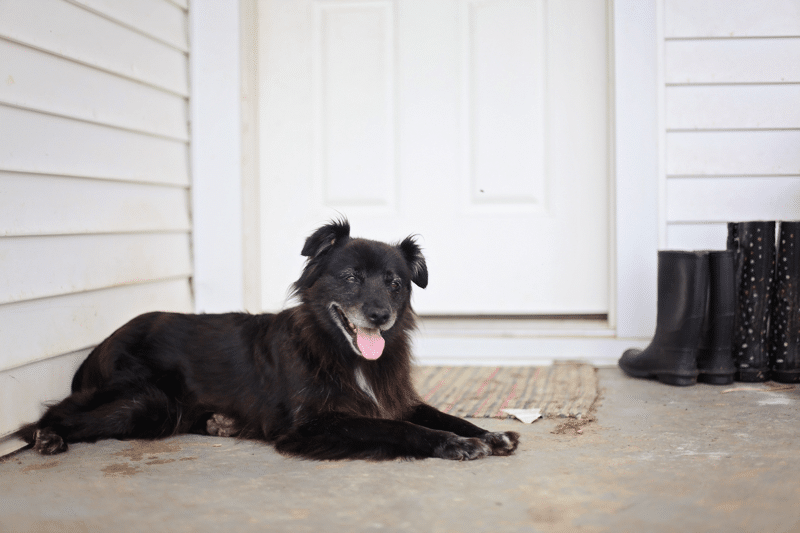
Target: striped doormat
{"x": 561, "y": 390}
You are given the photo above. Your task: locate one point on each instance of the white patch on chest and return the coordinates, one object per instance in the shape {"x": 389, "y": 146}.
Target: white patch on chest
{"x": 363, "y": 384}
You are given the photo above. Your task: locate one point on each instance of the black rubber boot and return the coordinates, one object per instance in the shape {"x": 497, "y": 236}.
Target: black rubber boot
{"x": 671, "y": 357}
{"x": 715, "y": 356}
{"x": 755, "y": 266}
{"x": 785, "y": 318}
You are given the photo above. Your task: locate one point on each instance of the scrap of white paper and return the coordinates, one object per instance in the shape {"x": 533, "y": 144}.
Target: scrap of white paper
{"x": 525, "y": 415}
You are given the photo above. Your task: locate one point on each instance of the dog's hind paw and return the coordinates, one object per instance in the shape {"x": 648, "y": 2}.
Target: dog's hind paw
{"x": 462, "y": 449}
{"x": 502, "y": 442}
{"x": 221, "y": 426}
{"x": 47, "y": 442}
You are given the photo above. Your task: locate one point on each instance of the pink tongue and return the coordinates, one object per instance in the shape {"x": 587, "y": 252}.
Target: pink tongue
{"x": 370, "y": 344}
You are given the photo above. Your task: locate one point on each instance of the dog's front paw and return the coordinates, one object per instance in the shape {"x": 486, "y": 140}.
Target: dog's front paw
{"x": 502, "y": 442}
{"x": 221, "y": 426}
{"x": 462, "y": 449}
{"x": 48, "y": 442}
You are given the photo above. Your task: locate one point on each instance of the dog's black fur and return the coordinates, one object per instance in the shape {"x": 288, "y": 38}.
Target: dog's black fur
{"x": 296, "y": 379}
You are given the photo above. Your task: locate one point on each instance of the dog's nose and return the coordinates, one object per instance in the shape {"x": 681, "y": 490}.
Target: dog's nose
{"x": 378, "y": 316}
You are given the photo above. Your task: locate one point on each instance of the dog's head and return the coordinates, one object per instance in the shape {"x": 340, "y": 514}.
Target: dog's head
{"x": 359, "y": 289}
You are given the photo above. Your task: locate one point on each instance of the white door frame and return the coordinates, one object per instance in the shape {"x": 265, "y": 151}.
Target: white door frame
{"x": 637, "y": 170}
{"x": 216, "y": 155}
{"x": 638, "y": 150}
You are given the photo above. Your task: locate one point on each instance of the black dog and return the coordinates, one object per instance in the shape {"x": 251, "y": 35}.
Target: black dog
{"x": 328, "y": 379}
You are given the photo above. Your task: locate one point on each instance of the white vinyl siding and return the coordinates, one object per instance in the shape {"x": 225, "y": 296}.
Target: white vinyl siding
{"x": 94, "y": 182}
{"x": 732, "y": 119}
{"x": 70, "y": 30}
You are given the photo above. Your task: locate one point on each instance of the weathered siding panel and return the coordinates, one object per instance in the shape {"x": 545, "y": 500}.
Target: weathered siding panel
{"x": 738, "y": 107}
{"x": 713, "y": 200}
{"x": 39, "y": 204}
{"x": 163, "y": 21}
{"x": 68, "y": 30}
{"x": 31, "y": 141}
{"x": 731, "y": 18}
{"x": 88, "y": 94}
{"x": 80, "y": 263}
{"x": 94, "y": 181}
{"x": 732, "y": 119}
{"x": 35, "y": 330}
{"x": 696, "y": 236}
{"x": 733, "y": 153}
{"x": 733, "y": 61}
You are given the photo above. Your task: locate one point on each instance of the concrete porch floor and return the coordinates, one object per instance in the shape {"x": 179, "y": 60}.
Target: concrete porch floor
{"x": 658, "y": 458}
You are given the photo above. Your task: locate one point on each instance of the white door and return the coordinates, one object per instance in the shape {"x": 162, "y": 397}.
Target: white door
{"x": 480, "y": 125}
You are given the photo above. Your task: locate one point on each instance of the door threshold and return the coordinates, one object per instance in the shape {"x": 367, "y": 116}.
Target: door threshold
{"x": 518, "y": 341}
{"x": 515, "y": 326}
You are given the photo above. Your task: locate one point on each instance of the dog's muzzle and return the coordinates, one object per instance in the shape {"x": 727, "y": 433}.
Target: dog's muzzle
{"x": 366, "y": 342}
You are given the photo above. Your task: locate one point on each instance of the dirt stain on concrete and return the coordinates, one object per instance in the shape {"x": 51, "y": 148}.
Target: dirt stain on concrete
{"x": 160, "y": 461}
{"x": 43, "y": 466}
{"x": 299, "y": 514}
{"x": 120, "y": 469}
{"x": 546, "y": 514}
{"x": 143, "y": 450}
{"x": 139, "y": 448}
{"x": 573, "y": 426}
{"x": 52, "y": 526}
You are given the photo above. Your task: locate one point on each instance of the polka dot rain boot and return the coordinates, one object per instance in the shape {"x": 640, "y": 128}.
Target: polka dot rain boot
{"x": 754, "y": 243}
{"x": 715, "y": 356}
{"x": 671, "y": 357}
{"x": 785, "y": 318}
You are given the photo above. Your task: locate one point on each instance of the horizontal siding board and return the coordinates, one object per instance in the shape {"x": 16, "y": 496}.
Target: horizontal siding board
{"x": 697, "y": 236}
{"x": 732, "y": 61}
{"x": 733, "y": 153}
{"x": 54, "y": 205}
{"x": 183, "y": 4}
{"x": 94, "y": 182}
{"x": 161, "y": 19}
{"x": 68, "y": 30}
{"x": 39, "y": 329}
{"x": 733, "y": 106}
{"x": 732, "y": 199}
{"x": 731, "y": 18}
{"x": 87, "y": 93}
{"x": 39, "y": 267}
{"x": 46, "y": 144}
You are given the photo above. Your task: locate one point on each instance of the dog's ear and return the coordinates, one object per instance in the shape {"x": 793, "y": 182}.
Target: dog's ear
{"x": 337, "y": 231}
{"x": 416, "y": 262}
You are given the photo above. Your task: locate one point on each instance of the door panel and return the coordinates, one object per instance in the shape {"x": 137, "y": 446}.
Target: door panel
{"x": 480, "y": 125}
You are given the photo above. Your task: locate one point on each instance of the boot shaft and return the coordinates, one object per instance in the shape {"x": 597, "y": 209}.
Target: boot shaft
{"x": 754, "y": 243}
{"x": 721, "y": 309}
{"x": 785, "y": 318}
{"x": 682, "y": 298}
{"x": 715, "y": 355}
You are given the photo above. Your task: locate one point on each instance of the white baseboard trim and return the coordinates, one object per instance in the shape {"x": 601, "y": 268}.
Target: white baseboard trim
{"x": 519, "y": 351}
{"x": 9, "y": 446}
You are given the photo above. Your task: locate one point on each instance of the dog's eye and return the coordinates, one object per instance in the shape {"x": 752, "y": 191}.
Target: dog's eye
{"x": 395, "y": 285}
{"x": 351, "y": 279}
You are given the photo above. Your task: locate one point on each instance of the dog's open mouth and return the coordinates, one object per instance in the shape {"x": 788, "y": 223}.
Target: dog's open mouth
{"x": 367, "y": 342}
